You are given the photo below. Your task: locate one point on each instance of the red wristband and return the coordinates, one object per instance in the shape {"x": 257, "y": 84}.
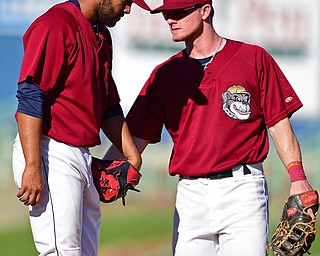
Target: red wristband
{"x": 296, "y": 171}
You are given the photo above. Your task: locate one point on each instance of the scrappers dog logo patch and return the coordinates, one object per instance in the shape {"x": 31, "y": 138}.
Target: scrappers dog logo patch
{"x": 236, "y": 102}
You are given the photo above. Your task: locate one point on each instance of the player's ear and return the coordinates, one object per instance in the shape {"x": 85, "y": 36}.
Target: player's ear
{"x": 207, "y": 11}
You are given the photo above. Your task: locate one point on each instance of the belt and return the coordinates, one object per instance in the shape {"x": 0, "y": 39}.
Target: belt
{"x": 217, "y": 175}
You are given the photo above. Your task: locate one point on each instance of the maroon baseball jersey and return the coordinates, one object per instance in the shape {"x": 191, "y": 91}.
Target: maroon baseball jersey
{"x": 217, "y": 117}
{"x": 63, "y": 58}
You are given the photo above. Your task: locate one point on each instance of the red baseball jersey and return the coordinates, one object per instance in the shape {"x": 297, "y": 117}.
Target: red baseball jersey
{"x": 217, "y": 117}
{"x": 63, "y": 58}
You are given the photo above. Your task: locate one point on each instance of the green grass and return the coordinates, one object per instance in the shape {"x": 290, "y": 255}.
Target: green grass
{"x": 138, "y": 223}
{"x": 133, "y": 226}
{"x": 136, "y": 230}
{"x": 142, "y": 229}
{"x": 17, "y": 241}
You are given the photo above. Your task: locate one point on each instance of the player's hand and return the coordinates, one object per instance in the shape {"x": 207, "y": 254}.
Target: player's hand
{"x": 299, "y": 187}
{"x": 31, "y": 187}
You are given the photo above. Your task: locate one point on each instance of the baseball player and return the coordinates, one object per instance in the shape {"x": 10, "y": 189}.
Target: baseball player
{"x": 66, "y": 94}
{"x": 218, "y": 98}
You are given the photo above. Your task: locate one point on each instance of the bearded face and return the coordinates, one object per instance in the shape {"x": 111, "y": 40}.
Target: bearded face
{"x": 110, "y": 11}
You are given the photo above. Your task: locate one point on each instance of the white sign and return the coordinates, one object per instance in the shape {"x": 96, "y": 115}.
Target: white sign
{"x": 17, "y": 15}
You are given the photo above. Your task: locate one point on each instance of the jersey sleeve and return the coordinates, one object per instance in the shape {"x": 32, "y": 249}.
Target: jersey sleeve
{"x": 113, "y": 97}
{"x": 46, "y": 46}
{"x": 145, "y": 118}
{"x": 278, "y": 98}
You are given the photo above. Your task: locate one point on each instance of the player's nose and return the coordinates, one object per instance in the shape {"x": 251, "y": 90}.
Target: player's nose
{"x": 127, "y": 9}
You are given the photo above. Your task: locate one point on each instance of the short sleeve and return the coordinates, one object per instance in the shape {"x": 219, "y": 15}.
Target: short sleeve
{"x": 46, "y": 49}
{"x": 278, "y": 98}
{"x": 112, "y": 96}
{"x": 145, "y": 118}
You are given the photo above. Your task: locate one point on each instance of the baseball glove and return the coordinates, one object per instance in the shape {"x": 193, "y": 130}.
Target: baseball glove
{"x": 296, "y": 230}
{"x": 113, "y": 179}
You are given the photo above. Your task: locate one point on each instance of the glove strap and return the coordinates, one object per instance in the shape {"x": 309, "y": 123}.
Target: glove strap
{"x": 296, "y": 171}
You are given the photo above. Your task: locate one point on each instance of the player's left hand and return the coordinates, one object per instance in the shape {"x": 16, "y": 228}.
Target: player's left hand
{"x": 113, "y": 179}
{"x": 31, "y": 187}
{"x": 296, "y": 230}
{"x": 299, "y": 187}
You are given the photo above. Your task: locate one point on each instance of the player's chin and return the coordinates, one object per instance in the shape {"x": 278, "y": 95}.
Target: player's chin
{"x": 110, "y": 24}
{"x": 111, "y": 21}
{"x": 177, "y": 39}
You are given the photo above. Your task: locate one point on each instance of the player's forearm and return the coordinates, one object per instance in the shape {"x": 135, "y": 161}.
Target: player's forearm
{"x": 117, "y": 131}
{"x": 113, "y": 152}
{"x": 285, "y": 142}
{"x": 30, "y": 130}
{"x": 130, "y": 150}
{"x": 288, "y": 149}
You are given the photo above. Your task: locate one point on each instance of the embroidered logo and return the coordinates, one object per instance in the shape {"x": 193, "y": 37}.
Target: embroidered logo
{"x": 289, "y": 99}
{"x": 308, "y": 199}
{"x": 236, "y": 102}
{"x": 291, "y": 211}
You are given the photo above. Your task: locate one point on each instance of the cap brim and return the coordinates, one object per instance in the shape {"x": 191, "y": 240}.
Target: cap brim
{"x": 172, "y": 6}
{"x": 142, "y": 4}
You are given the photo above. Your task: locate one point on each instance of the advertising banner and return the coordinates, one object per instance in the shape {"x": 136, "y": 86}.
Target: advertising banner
{"x": 17, "y": 15}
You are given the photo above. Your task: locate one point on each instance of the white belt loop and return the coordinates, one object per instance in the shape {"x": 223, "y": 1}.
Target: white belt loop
{"x": 256, "y": 169}
{"x": 237, "y": 171}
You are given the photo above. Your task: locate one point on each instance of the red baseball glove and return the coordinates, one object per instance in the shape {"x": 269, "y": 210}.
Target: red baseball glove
{"x": 113, "y": 179}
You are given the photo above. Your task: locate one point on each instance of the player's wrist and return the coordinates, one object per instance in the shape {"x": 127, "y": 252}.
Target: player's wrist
{"x": 296, "y": 171}
{"x": 136, "y": 161}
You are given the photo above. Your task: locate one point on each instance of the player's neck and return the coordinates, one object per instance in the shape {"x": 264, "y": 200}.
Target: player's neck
{"x": 88, "y": 9}
{"x": 205, "y": 46}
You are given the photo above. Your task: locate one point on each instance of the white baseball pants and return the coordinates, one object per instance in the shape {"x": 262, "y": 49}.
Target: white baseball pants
{"x": 223, "y": 217}
{"x": 67, "y": 219}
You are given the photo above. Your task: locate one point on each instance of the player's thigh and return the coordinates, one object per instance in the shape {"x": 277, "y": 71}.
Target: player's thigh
{"x": 191, "y": 235}
{"x": 62, "y": 202}
{"x": 91, "y": 220}
{"x": 247, "y": 238}
{"x": 245, "y": 222}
